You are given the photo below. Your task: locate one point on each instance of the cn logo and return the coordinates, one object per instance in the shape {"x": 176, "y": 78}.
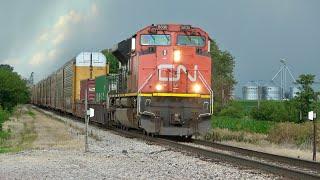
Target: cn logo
{"x": 180, "y": 68}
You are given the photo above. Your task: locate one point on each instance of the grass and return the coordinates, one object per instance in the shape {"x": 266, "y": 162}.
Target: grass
{"x": 18, "y": 141}
{"x": 218, "y": 134}
{"x": 4, "y": 135}
{"x": 254, "y": 131}
{"x": 242, "y": 124}
{"x": 30, "y": 113}
{"x": 4, "y": 116}
{"x": 292, "y": 133}
{"x": 14, "y": 140}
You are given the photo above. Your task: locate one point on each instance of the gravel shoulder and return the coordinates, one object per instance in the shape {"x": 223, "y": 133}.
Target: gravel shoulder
{"x": 58, "y": 153}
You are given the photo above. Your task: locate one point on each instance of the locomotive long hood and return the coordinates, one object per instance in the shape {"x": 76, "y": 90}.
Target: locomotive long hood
{"x": 122, "y": 51}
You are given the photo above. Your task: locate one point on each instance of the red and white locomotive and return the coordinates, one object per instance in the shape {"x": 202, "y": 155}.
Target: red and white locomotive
{"x": 164, "y": 86}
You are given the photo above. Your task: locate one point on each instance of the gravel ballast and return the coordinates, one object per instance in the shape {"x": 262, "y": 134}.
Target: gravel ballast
{"x": 112, "y": 156}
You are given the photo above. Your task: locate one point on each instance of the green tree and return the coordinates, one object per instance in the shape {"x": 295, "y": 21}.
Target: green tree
{"x": 271, "y": 111}
{"x": 6, "y": 66}
{"x": 223, "y": 80}
{"x": 306, "y": 94}
{"x": 13, "y": 89}
{"x": 112, "y": 60}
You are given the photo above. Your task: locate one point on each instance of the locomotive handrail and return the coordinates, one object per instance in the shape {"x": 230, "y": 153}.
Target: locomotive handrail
{"x": 140, "y": 89}
{"x": 209, "y": 89}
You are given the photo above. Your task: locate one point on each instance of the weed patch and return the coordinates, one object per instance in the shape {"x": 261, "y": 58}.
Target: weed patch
{"x": 19, "y": 138}
{"x": 30, "y": 113}
{"x": 218, "y": 134}
{"x": 242, "y": 124}
{"x": 300, "y": 135}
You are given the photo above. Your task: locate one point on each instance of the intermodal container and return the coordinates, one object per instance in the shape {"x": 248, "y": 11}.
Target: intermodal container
{"x": 101, "y": 88}
{"x": 89, "y": 86}
{"x": 113, "y": 83}
{"x": 105, "y": 85}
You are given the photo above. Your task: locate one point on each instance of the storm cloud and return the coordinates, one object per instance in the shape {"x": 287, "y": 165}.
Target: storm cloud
{"x": 39, "y": 36}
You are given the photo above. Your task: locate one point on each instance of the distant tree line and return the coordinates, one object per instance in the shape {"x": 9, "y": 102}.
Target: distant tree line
{"x": 13, "y": 88}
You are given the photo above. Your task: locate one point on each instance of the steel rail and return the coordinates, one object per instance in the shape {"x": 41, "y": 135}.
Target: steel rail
{"x": 273, "y": 157}
{"x": 275, "y": 169}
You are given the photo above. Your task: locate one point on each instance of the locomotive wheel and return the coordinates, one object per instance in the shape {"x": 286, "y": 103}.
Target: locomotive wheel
{"x": 188, "y": 138}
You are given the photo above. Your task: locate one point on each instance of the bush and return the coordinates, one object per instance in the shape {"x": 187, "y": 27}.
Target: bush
{"x": 293, "y": 112}
{"x": 216, "y": 108}
{"x": 247, "y": 105}
{"x": 243, "y": 124}
{"x": 4, "y": 115}
{"x": 234, "y": 110}
{"x": 270, "y": 111}
{"x": 278, "y": 111}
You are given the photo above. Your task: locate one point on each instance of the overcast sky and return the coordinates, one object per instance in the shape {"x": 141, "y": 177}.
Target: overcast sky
{"x": 39, "y": 36}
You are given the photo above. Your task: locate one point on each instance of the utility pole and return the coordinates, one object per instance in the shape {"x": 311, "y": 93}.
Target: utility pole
{"x": 86, "y": 120}
{"x": 315, "y": 131}
{"x": 314, "y": 140}
{"x": 259, "y": 95}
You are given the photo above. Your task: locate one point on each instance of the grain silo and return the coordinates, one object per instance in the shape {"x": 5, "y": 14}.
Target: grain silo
{"x": 270, "y": 91}
{"x": 250, "y": 91}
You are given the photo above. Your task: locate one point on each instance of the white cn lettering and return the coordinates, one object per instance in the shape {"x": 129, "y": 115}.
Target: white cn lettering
{"x": 180, "y": 68}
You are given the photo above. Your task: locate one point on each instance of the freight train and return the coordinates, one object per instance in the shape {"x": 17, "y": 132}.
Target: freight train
{"x": 163, "y": 84}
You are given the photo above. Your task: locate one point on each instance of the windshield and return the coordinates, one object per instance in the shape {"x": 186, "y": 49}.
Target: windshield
{"x": 191, "y": 40}
{"x": 150, "y": 39}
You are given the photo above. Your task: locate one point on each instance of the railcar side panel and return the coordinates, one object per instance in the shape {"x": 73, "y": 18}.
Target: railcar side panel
{"x": 59, "y": 90}
{"x": 53, "y": 90}
{"x": 67, "y": 86}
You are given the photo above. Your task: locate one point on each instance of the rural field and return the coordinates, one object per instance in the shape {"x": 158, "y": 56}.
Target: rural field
{"x": 280, "y": 137}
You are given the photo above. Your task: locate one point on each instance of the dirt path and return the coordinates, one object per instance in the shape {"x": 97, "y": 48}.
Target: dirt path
{"x": 35, "y": 130}
{"x": 54, "y": 134}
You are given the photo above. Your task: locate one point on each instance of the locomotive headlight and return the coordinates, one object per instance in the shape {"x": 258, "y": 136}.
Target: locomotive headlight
{"x": 158, "y": 87}
{"x": 197, "y": 88}
{"x": 176, "y": 55}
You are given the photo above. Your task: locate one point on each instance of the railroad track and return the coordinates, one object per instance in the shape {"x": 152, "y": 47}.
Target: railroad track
{"x": 306, "y": 170}
{"x": 300, "y": 163}
{"x": 280, "y": 169}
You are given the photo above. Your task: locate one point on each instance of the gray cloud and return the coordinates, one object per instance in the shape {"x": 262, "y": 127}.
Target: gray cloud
{"x": 257, "y": 33}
